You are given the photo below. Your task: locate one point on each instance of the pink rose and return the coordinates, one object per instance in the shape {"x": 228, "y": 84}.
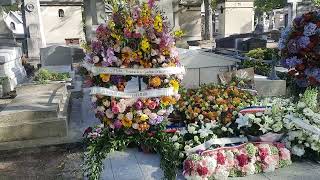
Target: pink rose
{"x": 220, "y": 158}
{"x": 152, "y": 105}
{"x": 202, "y": 170}
{"x": 115, "y": 109}
{"x": 263, "y": 153}
{"x": 243, "y": 160}
{"x": 285, "y": 154}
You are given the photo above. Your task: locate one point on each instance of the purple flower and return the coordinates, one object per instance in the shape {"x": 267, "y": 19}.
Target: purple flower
{"x": 139, "y": 105}
{"x": 110, "y": 52}
{"x": 105, "y": 64}
{"x": 313, "y": 72}
{"x": 136, "y": 12}
{"x": 291, "y": 62}
{"x": 303, "y": 41}
{"x": 310, "y": 29}
{"x": 96, "y": 46}
{"x": 115, "y": 79}
{"x": 117, "y": 124}
{"x": 293, "y": 46}
{"x": 151, "y": 3}
{"x": 156, "y": 121}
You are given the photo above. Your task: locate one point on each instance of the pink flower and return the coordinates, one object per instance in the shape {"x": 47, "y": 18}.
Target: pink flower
{"x": 136, "y": 35}
{"x": 127, "y": 33}
{"x": 263, "y": 153}
{"x": 188, "y": 166}
{"x": 139, "y": 105}
{"x": 117, "y": 124}
{"x": 115, "y": 109}
{"x": 152, "y": 105}
{"x": 220, "y": 158}
{"x": 284, "y": 154}
{"x": 243, "y": 160}
{"x": 202, "y": 170}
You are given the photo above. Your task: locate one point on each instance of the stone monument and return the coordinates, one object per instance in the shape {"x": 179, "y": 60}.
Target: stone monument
{"x": 292, "y": 13}
{"x": 33, "y": 29}
{"x": 11, "y": 70}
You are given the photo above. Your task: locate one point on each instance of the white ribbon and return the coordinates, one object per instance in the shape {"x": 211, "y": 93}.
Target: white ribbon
{"x": 303, "y": 125}
{"x": 141, "y": 94}
{"x": 132, "y": 71}
{"x": 220, "y": 141}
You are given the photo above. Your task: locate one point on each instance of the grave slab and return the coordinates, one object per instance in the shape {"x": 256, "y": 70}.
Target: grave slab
{"x": 270, "y": 88}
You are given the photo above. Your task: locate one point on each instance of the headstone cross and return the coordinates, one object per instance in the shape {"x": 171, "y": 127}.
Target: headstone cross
{"x": 292, "y": 10}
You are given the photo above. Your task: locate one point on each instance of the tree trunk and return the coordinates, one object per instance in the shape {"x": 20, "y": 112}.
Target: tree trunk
{"x": 207, "y": 20}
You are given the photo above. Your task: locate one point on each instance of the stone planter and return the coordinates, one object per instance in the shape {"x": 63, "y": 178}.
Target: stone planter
{"x": 269, "y": 137}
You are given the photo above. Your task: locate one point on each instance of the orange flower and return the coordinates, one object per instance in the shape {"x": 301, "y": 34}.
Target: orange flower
{"x": 143, "y": 127}
{"x": 126, "y": 122}
{"x": 155, "y": 81}
{"x": 121, "y": 86}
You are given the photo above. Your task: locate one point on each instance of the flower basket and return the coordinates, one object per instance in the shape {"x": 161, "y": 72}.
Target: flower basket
{"x": 269, "y": 137}
{"x": 242, "y": 160}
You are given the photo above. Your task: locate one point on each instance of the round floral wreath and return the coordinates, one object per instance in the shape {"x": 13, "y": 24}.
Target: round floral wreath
{"x": 136, "y": 36}
{"x": 300, "y": 49}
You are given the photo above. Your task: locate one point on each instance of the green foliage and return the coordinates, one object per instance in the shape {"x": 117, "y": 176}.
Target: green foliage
{"x": 316, "y": 2}
{"x": 44, "y": 76}
{"x": 260, "y": 67}
{"x": 159, "y": 141}
{"x": 14, "y": 7}
{"x": 214, "y": 5}
{"x": 268, "y": 5}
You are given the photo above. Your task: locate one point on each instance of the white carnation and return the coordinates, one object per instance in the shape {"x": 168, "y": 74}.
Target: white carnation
{"x": 298, "y": 150}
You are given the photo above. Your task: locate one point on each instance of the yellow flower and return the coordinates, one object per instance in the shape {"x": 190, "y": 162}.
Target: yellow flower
{"x": 165, "y": 100}
{"x": 155, "y": 81}
{"x": 144, "y": 117}
{"x": 175, "y": 85}
{"x": 105, "y": 77}
{"x": 116, "y": 36}
{"x": 129, "y": 22}
{"x": 158, "y": 23}
{"x": 178, "y": 33}
{"x": 111, "y": 25}
{"x": 126, "y": 122}
{"x": 107, "y": 121}
{"x": 145, "y": 45}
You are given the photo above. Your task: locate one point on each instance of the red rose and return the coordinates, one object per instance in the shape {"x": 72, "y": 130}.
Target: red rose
{"x": 220, "y": 158}
{"x": 263, "y": 153}
{"x": 243, "y": 160}
{"x": 300, "y": 67}
{"x": 188, "y": 165}
{"x": 202, "y": 171}
{"x": 312, "y": 80}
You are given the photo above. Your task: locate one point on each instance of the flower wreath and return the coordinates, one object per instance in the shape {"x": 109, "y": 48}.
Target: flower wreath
{"x": 300, "y": 49}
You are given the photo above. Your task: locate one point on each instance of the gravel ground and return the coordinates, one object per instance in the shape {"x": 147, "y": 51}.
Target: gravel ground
{"x": 4, "y": 103}
{"x": 55, "y": 162}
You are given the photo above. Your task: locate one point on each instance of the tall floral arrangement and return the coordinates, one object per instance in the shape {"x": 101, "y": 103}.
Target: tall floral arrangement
{"x": 300, "y": 49}
{"x": 136, "y": 43}
{"x": 136, "y": 37}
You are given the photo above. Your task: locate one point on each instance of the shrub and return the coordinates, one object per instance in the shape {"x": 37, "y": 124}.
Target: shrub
{"x": 44, "y": 75}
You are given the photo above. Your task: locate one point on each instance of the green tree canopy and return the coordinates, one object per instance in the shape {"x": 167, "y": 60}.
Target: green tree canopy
{"x": 316, "y": 2}
{"x": 268, "y": 5}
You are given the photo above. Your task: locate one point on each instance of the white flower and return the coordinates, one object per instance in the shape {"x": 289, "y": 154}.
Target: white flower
{"x": 301, "y": 105}
{"x": 230, "y": 130}
{"x": 95, "y": 59}
{"x": 308, "y": 112}
{"x": 200, "y": 117}
{"x": 101, "y": 108}
{"x": 196, "y": 138}
{"x": 109, "y": 114}
{"x": 222, "y": 173}
{"x": 176, "y": 146}
{"x": 250, "y": 116}
{"x": 224, "y": 129}
{"x": 250, "y": 169}
{"x": 211, "y": 162}
{"x": 242, "y": 121}
{"x": 135, "y": 126}
{"x": 129, "y": 115}
{"x": 174, "y": 138}
{"x": 187, "y": 147}
{"x": 192, "y": 129}
{"x": 298, "y": 150}
{"x": 94, "y": 99}
{"x": 259, "y": 114}
{"x": 181, "y": 155}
